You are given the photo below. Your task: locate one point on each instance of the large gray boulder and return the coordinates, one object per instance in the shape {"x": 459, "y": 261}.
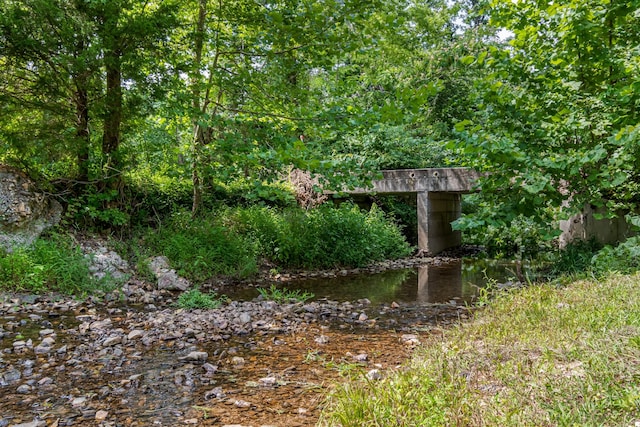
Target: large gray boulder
{"x": 25, "y": 212}
{"x": 167, "y": 277}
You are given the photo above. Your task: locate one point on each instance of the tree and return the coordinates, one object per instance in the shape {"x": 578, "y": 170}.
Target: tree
{"x": 558, "y": 117}
{"x": 84, "y": 54}
{"x": 249, "y": 66}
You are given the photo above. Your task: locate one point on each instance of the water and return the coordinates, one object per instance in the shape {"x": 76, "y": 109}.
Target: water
{"x": 440, "y": 282}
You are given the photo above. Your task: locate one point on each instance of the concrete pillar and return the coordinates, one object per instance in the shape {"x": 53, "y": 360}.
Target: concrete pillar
{"x": 436, "y": 212}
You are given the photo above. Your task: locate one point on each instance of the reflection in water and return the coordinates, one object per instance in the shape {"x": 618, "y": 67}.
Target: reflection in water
{"x": 433, "y": 283}
{"x": 440, "y": 283}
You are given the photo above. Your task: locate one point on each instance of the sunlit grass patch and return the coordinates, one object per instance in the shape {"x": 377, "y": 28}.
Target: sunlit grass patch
{"x": 540, "y": 356}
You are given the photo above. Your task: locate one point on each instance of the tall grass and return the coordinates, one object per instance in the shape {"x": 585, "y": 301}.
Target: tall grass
{"x": 55, "y": 263}
{"x": 201, "y": 248}
{"x": 541, "y": 356}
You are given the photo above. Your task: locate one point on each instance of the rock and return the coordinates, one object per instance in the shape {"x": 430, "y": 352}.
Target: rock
{"x": 11, "y": 376}
{"x": 45, "y": 381}
{"x": 374, "y": 375}
{"x": 210, "y": 369}
{"x": 104, "y": 262}
{"x": 196, "y": 356}
{"x": 101, "y": 415}
{"x": 244, "y": 318}
{"x": 167, "y": 278}
{"x": 322, "y": 339}
{"x": 362, "y": 357}
{"x": 78, "y": 401}
{"x": 410, "y": 339}
{"x": 217, "y": 392}
{"x": 112, "y": 340}
{"x": 237, "y": 360}
{"x": 25, "y": 212}
{"x": 268, "y": 381}
{"x": 34, "y": 423}
{"x": 23, "y": 389}
{"x": 242, "y": 404}
{"x": 363, "y": 317}
{"x": 135, "y": 334}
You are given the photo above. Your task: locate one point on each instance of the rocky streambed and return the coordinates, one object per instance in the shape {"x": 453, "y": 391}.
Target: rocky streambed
{"x": 134, "y": 359}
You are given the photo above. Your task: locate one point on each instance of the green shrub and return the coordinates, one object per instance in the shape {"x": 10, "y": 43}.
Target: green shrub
{"x": 322, "y": 237}
{"x": 574, "y": 259}
{"x": 52, "y": 264}
{"x": 523, "y": 236}
{"x": 283, "y": 295}
{"x": 201, "y": 248}
{"x": 194, "y": 298}
{"x": 92, "y": 209}
{"x": 624, "y": 258}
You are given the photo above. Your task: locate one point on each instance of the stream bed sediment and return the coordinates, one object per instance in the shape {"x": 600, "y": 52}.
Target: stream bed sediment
{"x": 145, "y": 362}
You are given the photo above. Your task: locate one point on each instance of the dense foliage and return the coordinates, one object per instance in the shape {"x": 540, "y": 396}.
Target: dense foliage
{"x": 129, "y": 111}
{"x": 557, "y": 108}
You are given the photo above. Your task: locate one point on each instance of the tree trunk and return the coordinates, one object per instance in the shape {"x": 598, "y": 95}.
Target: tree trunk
{"x": 198, "y": 132}
{"x": 113, "y": 116}
{"x": 82, "y": 129}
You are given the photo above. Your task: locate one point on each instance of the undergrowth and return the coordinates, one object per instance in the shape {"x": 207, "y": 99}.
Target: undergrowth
{"x": 325, "y": 237}
{"x": 200, "y": 248}
{"x": 54, "y": 263}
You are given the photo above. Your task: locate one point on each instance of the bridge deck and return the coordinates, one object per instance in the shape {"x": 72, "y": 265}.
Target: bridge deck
{"x": 438, "y": 192}
{"x": 449, "y": 180}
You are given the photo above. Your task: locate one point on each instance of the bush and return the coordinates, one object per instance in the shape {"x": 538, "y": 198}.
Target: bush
{"x": 322, "y": 237}
{"x": 53, "y": 264}
{"x": 523, "y": 237}
{"x": 624, "y": 258}
{"x": 574, "y": 259}
{"x": 201, "y": 248}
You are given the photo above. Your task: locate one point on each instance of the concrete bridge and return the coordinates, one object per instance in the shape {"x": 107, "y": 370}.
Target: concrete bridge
{"x": 438, "y": 192}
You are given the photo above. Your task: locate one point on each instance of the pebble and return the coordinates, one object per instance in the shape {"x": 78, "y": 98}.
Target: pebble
{"x": 23, "y": 389}
{"x": 101, "y": 415}
{"x": 322, "y": 339}
{"x": 196, "y": 356}
{"x": 374, "y": 375}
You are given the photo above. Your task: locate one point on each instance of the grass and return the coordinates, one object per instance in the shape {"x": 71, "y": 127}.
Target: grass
{"x": 194, "y": 298}
{"x": 540, "y": 356}
{"x": 52, "y": 264}
{"x": 283, "y": 295}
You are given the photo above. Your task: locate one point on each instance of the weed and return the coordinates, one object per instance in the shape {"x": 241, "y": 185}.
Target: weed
{"x": 283, "y": 295}
{"x": 194, "y": 298}
{"x": 54, "y": 263}
{"x": 322, "y": 238}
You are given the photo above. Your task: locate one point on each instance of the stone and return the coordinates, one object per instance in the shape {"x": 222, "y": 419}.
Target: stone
{"x": 78, "y": 401}
{"x": 111, "y": 341}
{"x": 25, "y": 212}
{"x": 34, "y": 423}
{"x": 196, "y": 356}
{"x": 135, "y": 334}
{"x": 374, "y": 375}
{"x": 322, "y": 339}
{"x": 23, "y": 389}
{"x": 101, "y": 415}
{"x": 167, "y": 278}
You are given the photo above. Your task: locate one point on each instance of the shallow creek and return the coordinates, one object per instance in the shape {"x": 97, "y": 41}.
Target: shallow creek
{"x": 253, "y": 363}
